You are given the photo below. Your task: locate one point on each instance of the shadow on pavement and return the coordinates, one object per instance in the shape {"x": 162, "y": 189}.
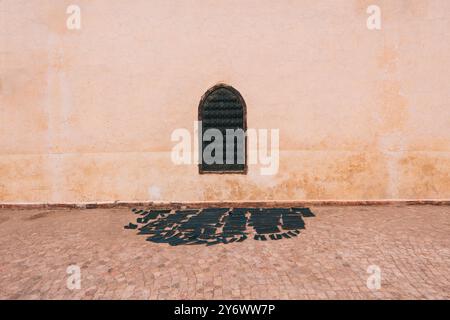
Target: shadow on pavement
{"x": 219, "y": 225}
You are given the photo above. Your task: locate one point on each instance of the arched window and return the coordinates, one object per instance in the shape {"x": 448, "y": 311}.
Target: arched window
{"x": 223, "y": 143}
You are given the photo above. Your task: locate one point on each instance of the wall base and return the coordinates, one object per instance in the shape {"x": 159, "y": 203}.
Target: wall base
{"x": 203, "y": 204}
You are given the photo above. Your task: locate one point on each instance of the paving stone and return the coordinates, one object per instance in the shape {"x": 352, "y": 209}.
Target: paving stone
{"x": 327, "y": 260}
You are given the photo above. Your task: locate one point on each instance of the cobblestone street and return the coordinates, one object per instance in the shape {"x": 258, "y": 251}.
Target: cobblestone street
{"x": 328, "y": 260}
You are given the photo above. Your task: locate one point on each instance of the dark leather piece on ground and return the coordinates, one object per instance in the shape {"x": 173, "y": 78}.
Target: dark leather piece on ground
{"x": 213, "y": 226}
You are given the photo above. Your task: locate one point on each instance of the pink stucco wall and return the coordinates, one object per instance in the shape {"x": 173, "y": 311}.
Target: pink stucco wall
{"x": 86, "y": 115}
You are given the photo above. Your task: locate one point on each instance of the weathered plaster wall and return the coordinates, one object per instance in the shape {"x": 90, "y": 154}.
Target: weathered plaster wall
{"x": 87, "y": 115}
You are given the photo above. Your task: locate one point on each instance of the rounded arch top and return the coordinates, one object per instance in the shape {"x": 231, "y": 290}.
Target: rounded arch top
{"x": 228, "y": 95}
{"x": 222, "y": 110}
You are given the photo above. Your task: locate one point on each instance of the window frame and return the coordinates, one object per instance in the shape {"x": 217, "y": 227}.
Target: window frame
{"x": 200, "y": 133}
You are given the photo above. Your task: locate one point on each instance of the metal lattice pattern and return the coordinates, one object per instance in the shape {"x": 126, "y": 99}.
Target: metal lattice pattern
{"x": 222, "y": 109}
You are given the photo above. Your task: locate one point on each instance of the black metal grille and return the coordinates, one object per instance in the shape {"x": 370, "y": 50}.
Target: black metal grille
{"x": 223, "y": 108}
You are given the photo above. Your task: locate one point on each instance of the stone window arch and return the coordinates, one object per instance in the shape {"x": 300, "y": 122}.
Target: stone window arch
{"x": 222, "y": 109}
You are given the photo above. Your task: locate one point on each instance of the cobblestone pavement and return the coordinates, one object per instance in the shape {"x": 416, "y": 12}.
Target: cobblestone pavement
{"x": 410, "y": 244}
